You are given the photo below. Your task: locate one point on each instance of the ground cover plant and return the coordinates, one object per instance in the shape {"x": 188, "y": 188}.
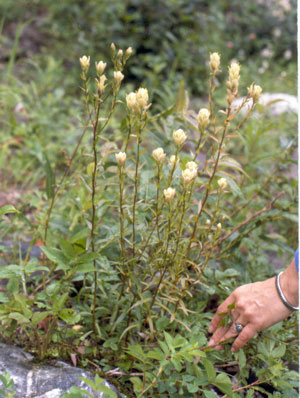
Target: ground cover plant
{"x": 146, "y": 219}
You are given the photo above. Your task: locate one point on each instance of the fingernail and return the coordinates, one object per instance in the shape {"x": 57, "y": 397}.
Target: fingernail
{"x": 211, "y": 342}
{"x": 233, "y": 349}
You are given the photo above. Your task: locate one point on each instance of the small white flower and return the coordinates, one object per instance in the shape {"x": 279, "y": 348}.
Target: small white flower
{"x": 179, "y": 137}
{"x": 214, "y": 62}
{"x": 131, "y": 101}
{"x": 169, "y": 193}
{"x": 159, "y": 155}
{"x": 118, "y": 77}
{"x": 219, "y": 226}
{"x": 101, "y": 83}
{"x": 208, "y": 222}
{"x": 128, "y": 52}
{"x": 222, "y": 182}
{"x": 255, "y": 91}
{"x": 100, "y": 66}
{"x": 191, "y": 165}
{"x": 142, "y": 97}
{"x": 234, "y": 71}
{"x": 84, "y": 63}
{"x": 203, "y": 118}
{"x": 188, "y": 175}
{"x": 121, "y": 158}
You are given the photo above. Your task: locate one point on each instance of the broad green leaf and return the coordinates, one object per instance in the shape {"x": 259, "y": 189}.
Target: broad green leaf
{"x": 81, "y": 234}
{"x": 8, "y": 209}
{"x": 59, "y": 301}
{"x": 169, "y": 341}
{"x": 223, "y": 382}
{"x": 54, "y": 255}
{"x": 89, "y": 267}
{"x": 4, "y": 298}
{"x": 137, "y": 384}
{"x": 209, "y": 394}
{"x": 18, "y": 317}
{"x": 279, "y": 351}
{"x": 156, "y": 355}
{"x": 39, "y": 317}
{"x": 210, "y": 370}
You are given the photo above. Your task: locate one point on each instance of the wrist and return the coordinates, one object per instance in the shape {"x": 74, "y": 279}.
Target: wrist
{"x": 289, "y": 284}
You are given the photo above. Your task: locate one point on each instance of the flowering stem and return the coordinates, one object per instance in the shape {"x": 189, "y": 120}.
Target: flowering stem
{"x": 157, "y": 197}
{"x": 92, "y": 235}
{"x": 226, "y": 123}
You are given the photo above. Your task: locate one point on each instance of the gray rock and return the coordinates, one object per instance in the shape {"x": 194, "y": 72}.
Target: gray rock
{"x": 275, "y": 103}
{"x": 34, "y": 380}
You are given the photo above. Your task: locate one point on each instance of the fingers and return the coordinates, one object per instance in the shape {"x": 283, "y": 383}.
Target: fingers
{"x": 217, "y": 318}
{"x": 246, "y": 334}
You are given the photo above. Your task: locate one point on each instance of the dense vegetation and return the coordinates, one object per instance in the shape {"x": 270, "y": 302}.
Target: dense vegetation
{"x": 130, "y": 273}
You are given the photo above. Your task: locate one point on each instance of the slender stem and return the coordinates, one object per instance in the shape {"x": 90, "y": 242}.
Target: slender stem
{"x": 165, "y": 266}
{"x": 93, "y": 222}
{"x": 122, "y": 240}
{"x": 226, "y": 123}
{"x": 135, "y": 191}
{"x": 157, "y": 198}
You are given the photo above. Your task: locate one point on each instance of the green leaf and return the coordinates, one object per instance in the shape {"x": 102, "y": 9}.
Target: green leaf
{"x": 209, "y": 394}
{"x": 39, "y": 317}
{"x": 137, "y": 384}
{"x": 223, "y": 382}
{"x": 89, "y": 267}
{"x": 169, "y": 341}
{"x": 50, "y": 180}
{"x": 156, "y": 355}
{"x": 18, "y": 317}
{"x": 8, "y": 209}
{"x": 3, "y": 298}
{"x": 55, "y": 255}
{"x": 210, "y": 370}
{"x": 279, "y": 351}
{"x": 59, "y": 302}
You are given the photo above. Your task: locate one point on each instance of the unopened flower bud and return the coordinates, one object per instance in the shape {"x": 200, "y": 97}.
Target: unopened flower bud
{"x": 214, "y": 62}
{"x": 159, "y": 155}
{"x": 219, "y": 226}
{"x": 254, "y": 91}
{"x": 113, "y": 47}
{"x": 179, "y": 136}
{"x": 131, "y": 101}
{"x": 188, "y": 175}
{"x": 208, "y": 222}
{"x": 100, "y": 66}
{"x": 172, "y": 160}
{"x": 84, "y": 63}
{"x": 222, "y": 182}
{"x": 120, "y": 53}
{"x": 101, "y": 83}
{"x": 203, "y": 118}
{"x": 128, "y": 52}
{"x": 191, "y": 165}
{"x": 169, "y": 194}
{"x": 121, "y": 158}
{"x": 234, "y": 71}
{"x": 142, "y": 97}
{"x": 118, "y": 77}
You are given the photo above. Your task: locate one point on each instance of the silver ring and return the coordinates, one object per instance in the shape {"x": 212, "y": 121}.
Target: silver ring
{"x": 238, "y": 327}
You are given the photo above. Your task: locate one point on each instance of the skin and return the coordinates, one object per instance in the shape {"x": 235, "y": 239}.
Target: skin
{"x": 257, "y": 307}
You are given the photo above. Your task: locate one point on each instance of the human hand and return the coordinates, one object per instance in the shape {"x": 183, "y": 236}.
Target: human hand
{"x": 257, "y": 306}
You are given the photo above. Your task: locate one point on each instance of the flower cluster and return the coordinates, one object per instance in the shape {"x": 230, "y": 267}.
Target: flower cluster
{"x": 138, "y": 101}
{"x": 169, "y": 194}
{"x": 233, "y": 81}
{"x": 203, "y": 118}
{"x": 214, "y": 63}
{"x": 120, "y": 158}
{"x": 190, "y": 172}
{"x": 222, "y": 182}
{"x": 254, "y": 91}
{"x": 179, "y": 137}
{"x": 159, "y": 155}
